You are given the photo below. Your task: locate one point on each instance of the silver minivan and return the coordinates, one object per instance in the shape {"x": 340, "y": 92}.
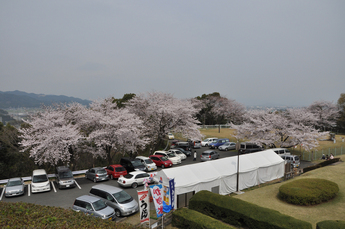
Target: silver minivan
{"x": 115, "y": 197}
{"x": 93, "y": 206}
{"x": 293, "y": 159}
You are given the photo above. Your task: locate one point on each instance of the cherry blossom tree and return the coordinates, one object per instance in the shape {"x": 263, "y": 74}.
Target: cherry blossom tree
{"x": 326, "y": 113}
{"x": 341, "y": 106}
{"x": 228, "y": 109}
{"x": 279, "y": 128}
{"x": 50, "y": 137}
{"x": 114, "y": 130}
{"x": 162, "y": 113}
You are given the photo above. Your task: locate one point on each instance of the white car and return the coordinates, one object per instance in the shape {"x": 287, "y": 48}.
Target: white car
{"x": 170, "y": 155}
{"x": 149, "y": 164}
{"x": 39, "y": 181}
{"x": 207, "y": 141}
{"x": 171, "y": 136}
{"x": 133, "y": 179}
{"x": 179, "y": 153}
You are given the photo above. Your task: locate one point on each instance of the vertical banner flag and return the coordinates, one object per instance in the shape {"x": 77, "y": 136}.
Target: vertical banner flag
{"x": 166, "y": 199}
{"x": 144, "y": 206}
{"x": 172, "y": 193}
{"x": 156, "y": 191}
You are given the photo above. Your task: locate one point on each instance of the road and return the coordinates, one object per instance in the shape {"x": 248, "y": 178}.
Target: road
{"x": 65, "y": 197}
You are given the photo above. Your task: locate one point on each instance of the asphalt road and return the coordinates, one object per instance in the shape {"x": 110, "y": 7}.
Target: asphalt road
{"x": 65, "y": 197}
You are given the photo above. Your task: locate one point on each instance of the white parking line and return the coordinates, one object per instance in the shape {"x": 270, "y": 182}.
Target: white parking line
{"x": 2, "y": 193}
{"x": 53, "y": 185}
{"x": 29, "y": 189}
{"x": 77, "y": 184}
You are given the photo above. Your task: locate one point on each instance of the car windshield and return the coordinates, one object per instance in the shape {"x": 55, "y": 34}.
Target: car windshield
{"x": 99, "y": 205}
{"x": 164, "y": 158}
{"x": 171, "y": 155}
{"x": 296, "y": 158}
{"x": 178, "y": 152}
{"x": 40, "y": 178}
{"x": 182, "y": 150}
{"x": 101, "y": 171}
{"x": 136, "y": 163}
{"x": 128, "y": 176}
{"x": 66, "y": 174}
{"x": 122, "y": 197}
{"x": 148, "y": 161}
{"x": 14, "y": 183}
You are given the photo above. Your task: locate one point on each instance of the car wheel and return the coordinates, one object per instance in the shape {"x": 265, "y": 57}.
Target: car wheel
{"x": 206, "y": 145}
{"x": 111, "y": 177}
{"x": 117, "y": 212}
{"x": 134, "y": 185}
{"x": 163, "y": 166}
{"x": 94, "y": 180}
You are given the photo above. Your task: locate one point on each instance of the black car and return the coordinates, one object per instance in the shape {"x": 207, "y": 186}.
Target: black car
{"x": 132, "y": 164}
{"x": 186, "y": 152}
{"x": 64, "y": 177}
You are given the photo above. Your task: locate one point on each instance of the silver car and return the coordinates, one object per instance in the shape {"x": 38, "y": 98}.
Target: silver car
{"x": 115, "y": 197}
{"x": 209, "y": 155}
{"x": 14, "y": 187}
{"x": 227, "y": 146}
{"x": 293, "y": 159}
{"x": 93, "y": 206}
{"x": 96, "y": 174}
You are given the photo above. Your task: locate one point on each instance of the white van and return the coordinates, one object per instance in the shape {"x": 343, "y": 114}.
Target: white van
{"x": 39, "y": 181}
{"x": 207, "y": 141}
{"x": 149, "y": 164}
{"x": 281, "y": 151}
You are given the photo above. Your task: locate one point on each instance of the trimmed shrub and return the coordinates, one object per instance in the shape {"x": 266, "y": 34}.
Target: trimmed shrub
{"x": 187, "y": 218}
{"x": 331, "y": 224}
{"x": 241, "y": 213}
{"x": 308, "y": 191}
{"x": 322, "y": 164}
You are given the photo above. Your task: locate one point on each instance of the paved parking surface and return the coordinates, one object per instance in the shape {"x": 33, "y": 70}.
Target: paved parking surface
{"x": 65, "y": 197}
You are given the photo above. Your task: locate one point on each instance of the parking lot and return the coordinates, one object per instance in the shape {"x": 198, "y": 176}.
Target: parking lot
{"x": 65, "y": 197}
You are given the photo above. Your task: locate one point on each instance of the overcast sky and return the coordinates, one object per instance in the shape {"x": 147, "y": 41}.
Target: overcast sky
{"x": 255, "y": 52}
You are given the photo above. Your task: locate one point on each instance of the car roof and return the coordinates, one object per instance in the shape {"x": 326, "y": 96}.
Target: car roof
{"x": 136, "y": 172}
{"x": 116, "y": 165}
{"x": 38, "y": 172}
{"x": 157, "y": 156}
{"x": 142, "y": 157}
{"x": 14, "y": 179}
{"x": 87, "y": 198}
{"x": 107, "y": 188}
{"x": 208, "y": 151}
{"x": 161, "y": 151}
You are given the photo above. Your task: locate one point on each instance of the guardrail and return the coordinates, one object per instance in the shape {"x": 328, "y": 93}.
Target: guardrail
{"x": 49, "y": 176}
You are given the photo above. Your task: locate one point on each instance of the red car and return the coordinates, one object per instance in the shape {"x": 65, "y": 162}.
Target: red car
{"x": 161, "y": 161}
{"x": 115, "y": 171}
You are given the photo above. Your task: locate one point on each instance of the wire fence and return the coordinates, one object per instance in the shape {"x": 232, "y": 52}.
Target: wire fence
{"x": 317, "y": 154}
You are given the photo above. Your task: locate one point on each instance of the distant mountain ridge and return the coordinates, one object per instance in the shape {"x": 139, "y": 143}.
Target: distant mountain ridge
{"x": 13, "y": 99}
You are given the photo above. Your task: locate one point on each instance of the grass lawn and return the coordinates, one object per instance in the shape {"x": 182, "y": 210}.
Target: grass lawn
{"x": 333, "y": 210}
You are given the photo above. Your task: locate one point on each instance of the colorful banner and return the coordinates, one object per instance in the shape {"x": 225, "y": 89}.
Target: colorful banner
{"x": 144, "y": 206}
{"x": 156, "y": 191}
{"x": 166, "y": 199}
{"x": 172, "y": 192}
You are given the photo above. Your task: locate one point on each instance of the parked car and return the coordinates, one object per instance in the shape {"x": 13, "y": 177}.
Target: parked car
{"x": 132, "y": 164}
{"x": 149, "y": 164}
{"x": 186, "y": 152}
{"x": 174, "y": 144}
{"x": 117, "y": 198}
{"x": 184, "y": 145}
{"x": 97, "y": 174}
{"x": 64, "y": 177}
{"x": 196, "y": 144}
{"x": 207, "y": 141}
{"x": 209, "y": 155}
{"x": 171, "y": 136}
{"x": 247, "y": 147}
{"x": 161, "y": 161}
{"x": 281, "y": 151}
{"x": 115, "y": 171}
{"x": 178, "y": 153}
{"x": 293, "y": 159}
{"x": 170, "y": 155}
{"x": 40, "y": 181}
{"x": 215, "y": 144}
{"x": 14, "y": 187}
{"x": 133, "y": 179}
{"x": 93, "y": 206}
{"x": 227, "y": 146}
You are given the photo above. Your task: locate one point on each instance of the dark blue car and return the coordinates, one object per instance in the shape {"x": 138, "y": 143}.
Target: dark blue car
{"x": 218, "y": 142}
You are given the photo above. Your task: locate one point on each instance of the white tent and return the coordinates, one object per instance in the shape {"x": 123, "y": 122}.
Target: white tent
{"x": 255, "y": 168}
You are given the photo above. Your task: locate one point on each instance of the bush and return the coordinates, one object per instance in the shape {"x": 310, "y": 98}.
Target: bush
{"x": 331, "y": 224}
{"x": 187, "y": 218}
{"x": 308, "y": 191}
{"x": 322, "y": 164}
{"x": 241, "y": 213}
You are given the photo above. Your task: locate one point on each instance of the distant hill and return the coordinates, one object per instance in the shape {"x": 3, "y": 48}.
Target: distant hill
{"x": 13, "y": 99}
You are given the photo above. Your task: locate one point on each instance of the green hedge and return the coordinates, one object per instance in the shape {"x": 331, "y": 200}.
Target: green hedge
{"x": 331, "y": 224}
{"x": 241, "y": 213}
{"x": 322, "y": 164}
{"x": 308, "y": 191}
{"x": 187, "y": 218}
